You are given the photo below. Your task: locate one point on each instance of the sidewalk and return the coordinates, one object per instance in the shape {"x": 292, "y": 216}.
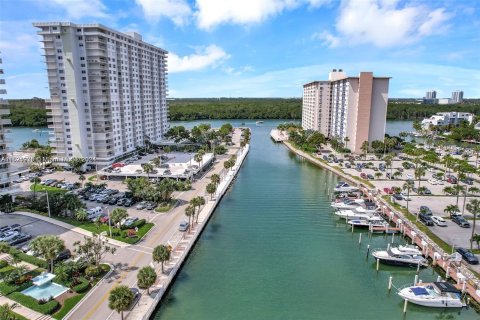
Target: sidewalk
{"x": 69, "y": 227}
{"x": 24, "y": 311}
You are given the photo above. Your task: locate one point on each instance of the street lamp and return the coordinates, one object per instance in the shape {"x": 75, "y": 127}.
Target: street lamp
{"x": 109, "y": 221}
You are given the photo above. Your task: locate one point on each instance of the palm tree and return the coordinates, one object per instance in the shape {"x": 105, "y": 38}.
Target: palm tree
{"x": 458, "y": 189}
{"x": 146, "y": 278}
{"x": 81, "y": 214}
{"x": 364, "y": 148}
{"x": 117, "y": 215}
{"x": 408, "y": 187}
{"x": 49, "y": 247}
{"x": 148, "y": 168}
{"x": 450, "y": 209}
{"x": 378, "y": 175}
{"x": 81, "y": 178}
{"x": 215, "y": 178}
{"x": 4, "y": 247}
{"x": 449, "y": 190}
{"x": 120, "y": 299}
{"x": 6, "y": 311}
{"x": 211, "y": 188}
{"x": 161, "y": 253}
{"x": 190, "y": 212}
{"x": 419, "y": 173}
{"x": 157, "y": 161}
{"x": 474, "y": 208}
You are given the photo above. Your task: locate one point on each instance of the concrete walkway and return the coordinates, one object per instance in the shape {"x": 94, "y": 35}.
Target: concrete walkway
{"x": 69, "y": 227}
{"x": 24, "y": 311}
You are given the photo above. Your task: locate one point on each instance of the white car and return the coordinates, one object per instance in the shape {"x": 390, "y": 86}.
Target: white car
{"x": 405, "y": 197}
{"x": 7, "y": 235}
{"x": 439, "y": 182}
{"x": 433, "y": 181}
{"x": 430, "y": 169}
{"x": 439, "y": 221}
{"x": 409, "y": 176}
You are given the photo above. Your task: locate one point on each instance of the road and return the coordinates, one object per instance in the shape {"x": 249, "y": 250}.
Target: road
{"x": 127, "y": 261}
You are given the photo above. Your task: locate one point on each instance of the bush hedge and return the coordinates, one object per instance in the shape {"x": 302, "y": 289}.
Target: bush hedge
{"x": 29, "y": 302}
{"x": 82, "y": 286}
{"x": 139, "y": 223}
{"x": 30, "y": 259}
{"x": 3, "y": 264}
{"x": 6, "y": 288}
{"x": 5, "y": 271}
{"x": 68, "y": 305}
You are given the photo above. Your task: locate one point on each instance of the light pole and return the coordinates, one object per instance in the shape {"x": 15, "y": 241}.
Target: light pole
{"x": 48, "y": 205}
{"x": 109, "y": 221}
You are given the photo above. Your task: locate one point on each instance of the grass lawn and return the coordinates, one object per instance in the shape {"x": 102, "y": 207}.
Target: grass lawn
{"x": 165, "y": 207}
{"x": 68, "y": 305}
{"x": 16, "y": 316}
{"x": 92, "y": 227}
{"x": 42, "y": 188}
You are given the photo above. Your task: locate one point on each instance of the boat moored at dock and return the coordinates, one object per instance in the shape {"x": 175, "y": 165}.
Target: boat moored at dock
{"x": 395, "y": 257}
{"x": 435, "y": 294}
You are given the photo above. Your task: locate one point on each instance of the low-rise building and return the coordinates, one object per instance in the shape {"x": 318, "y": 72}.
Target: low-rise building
{"x": 447, "y": 118}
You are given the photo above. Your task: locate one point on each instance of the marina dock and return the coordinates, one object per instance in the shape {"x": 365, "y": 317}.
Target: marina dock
{"x": 278, "y": 136}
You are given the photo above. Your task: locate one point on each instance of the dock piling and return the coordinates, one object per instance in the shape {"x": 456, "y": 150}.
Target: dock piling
{"x": 405, "y": 306}
{"x": 393, "y": 237}
{"x": 415, "y": 280}
{"x": 360, "y": 239}
{"x": 378, "y": 264}
{"x": 418, "y": 267}
{"x": 390, "y": 280}
{"x": 368, "y": 250}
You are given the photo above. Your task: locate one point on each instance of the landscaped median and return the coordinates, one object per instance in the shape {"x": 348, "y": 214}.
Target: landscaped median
{"x": 19, "y": 274}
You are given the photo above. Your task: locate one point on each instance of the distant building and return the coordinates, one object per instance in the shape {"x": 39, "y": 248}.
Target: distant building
{"x": 444, "y": 101}
{"x": 457, "y": 96}
{"x": 5, "y": 182}
{"x": 447, "y": 118}
{"x": 432, "y": 94}
{"x": 347, "y": 107}
{"x": 108, "y": 91}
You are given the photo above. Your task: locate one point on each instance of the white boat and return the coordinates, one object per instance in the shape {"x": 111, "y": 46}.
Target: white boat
{"x": 395, "y": 257}
{"x": 352, "y": 214}
{"x": 374, "y": 221}
{"x": 408, "y": 248}
{"x": 259, "y": 122}
{"x": 344, "y": 187}
{"x": 434, "y": 294}
{"x": 347, "y": 204}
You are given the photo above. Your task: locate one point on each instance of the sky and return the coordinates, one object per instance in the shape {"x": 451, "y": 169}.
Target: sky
{"x": 267, "y": 48}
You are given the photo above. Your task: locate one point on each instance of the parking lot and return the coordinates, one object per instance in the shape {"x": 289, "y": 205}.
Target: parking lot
{"x": 36, "y": 227}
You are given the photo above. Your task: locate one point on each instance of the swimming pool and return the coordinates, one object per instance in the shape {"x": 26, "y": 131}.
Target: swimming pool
{"x": 45, "y": 291}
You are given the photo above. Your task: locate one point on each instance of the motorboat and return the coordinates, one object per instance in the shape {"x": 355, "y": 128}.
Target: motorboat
{"x": 259, "y": 122}
{"x": 411, "y": 249}
{"x": 371, "y": 221}
{"x": 344, "y": 187}
{"x": 395, "y": 257}
{"x": 347, "y": 204}
{"x": 434, "y": 294}
{"x": 354, "y": 214}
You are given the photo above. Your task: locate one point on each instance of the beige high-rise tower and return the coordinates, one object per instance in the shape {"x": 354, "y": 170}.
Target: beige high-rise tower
{"x": 353, "y": 110}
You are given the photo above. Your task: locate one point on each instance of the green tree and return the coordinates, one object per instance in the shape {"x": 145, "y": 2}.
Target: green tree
{"x": 147, "y": 168}
{"x": 474, "y": 208}
{"x": 364, "y": 147}
{"x": 451, "y": 209}
{"x": 93, "y": 249}
{"x": 43, "y": 155}
{"x": 81, "y": 178}
{"x": 120, "y": 299}
{"x": 215, "y": 178}
{"x": 76, "y": 163}
{"x": 419, "y": 173}
{"x": 6, "y": 311}
{"x": 81, "y": 214}
{"x": 49, "y": 247}
{"x": 211, "y": 188}
{"x": 407, "y": 187}
{"x": 161, "y": 254}
{"x": 146, "y": 278}
{"x": 190, "y": 213}
{"x": 117, "y": 215}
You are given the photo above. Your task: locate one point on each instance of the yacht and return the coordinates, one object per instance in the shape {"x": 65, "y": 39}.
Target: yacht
{"x": 434, "y": 294}
{"x": 352, "y": 214}
{"x": 347, "y": 204}
{"x": 411, "y": 249}
{"x": 344, "y": 187}
{"x": 259, "y": 122}
{"x": 395, "y": 257}
{"x": 374, "y": 221}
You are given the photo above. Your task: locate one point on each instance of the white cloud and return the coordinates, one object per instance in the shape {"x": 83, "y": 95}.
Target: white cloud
{"x": 211, "y": 13}
{"x": 77, "y": 9}
{"x": 384, "y": 23}
{"x": 177, "y": 10}
{"x": 203, "y": 58}
{"x": 327, "y": 38}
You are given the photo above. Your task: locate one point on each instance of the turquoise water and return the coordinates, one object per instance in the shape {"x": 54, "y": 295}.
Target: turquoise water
{"x": 273, "y": 250}
{"x": 20, "y": 135}
{"x": 45, "y": 291}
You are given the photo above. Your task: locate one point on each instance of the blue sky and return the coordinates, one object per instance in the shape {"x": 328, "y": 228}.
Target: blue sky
{"x": 267, "y": 48}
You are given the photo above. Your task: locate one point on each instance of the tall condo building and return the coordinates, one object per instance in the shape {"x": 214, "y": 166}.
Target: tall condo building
{"x": 107, "y": 90}
{"x": 457, "y": 96}
{"x": 5, "y": 182}
{"x": 351, "y": 109}
{"x": 432, "y": 94}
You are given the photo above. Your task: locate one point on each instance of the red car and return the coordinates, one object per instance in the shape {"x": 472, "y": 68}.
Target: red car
{"x": 363, "y": 175}
{"x": 118, "y": 165}
{"x": 388, "y": 190}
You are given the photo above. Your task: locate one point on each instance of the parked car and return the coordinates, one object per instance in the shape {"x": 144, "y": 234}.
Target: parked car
{"x": 425, "y": 218}
{"x": 433, "y": 181}
{"x": 121, "y": 201}
{"x": 409, "y": 176}
{"x": 461, "y": 221}
{"x": 451, "y": 179}
{"x": 128, "y": 222}
{"x": 141, "y": 205}
{"x": 363, "y": 175}
{"x": 439, "y": 221}
{"x": 183, "y": 226}
{"x": 405, "y": 197}
{"x": 20, "y": 238}
{"x": 468, "y": 255}
{"x": 64, "y": 255}
{"x": 8, "y": 235}
{"x": 370, "y": 176}
{"x": 388, "y": 190}
{"x": 397, "y": 196}
{"x": 426, "y": 210}
{"x": 467, "y": 181}
{"x": 128, "y": 202}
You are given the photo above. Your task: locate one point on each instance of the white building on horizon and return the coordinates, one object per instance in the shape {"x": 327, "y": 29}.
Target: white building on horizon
{"x": 347, "y": 107}
{"x": 108, "y": 90}
{"x": 5, "y": 181}
{"x": 431, "y": 94}
{"x": 447, "y": 118}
